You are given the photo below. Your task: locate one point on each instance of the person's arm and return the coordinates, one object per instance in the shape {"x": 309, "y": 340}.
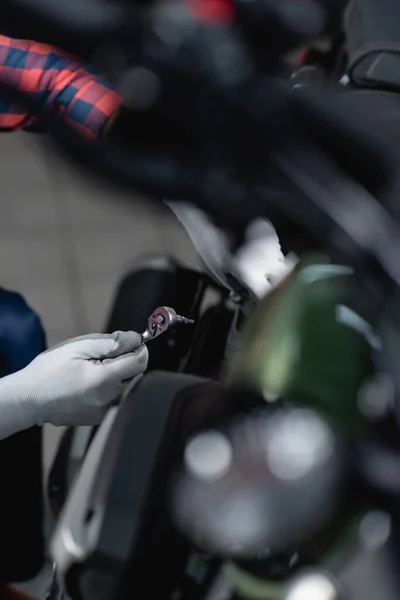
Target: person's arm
{"x": 85, "y": 100}
{"x": 72, "y": 384}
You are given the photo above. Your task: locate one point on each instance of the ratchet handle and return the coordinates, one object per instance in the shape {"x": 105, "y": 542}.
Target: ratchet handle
{"x": 162, "y": 319}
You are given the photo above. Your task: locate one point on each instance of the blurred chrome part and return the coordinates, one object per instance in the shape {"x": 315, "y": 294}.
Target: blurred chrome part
{"x": 377, "y": 397}
{"x": 296, "y": 443}
{"x": 75, "y": 534}
{"x": 380, "y": 467}
{"x": 250, "y": 505}
{"x": 231, "y": 525}
{"x": 375, "y": 529}
{"x": 313, "y": 586}
{"x": 208, "y": 456}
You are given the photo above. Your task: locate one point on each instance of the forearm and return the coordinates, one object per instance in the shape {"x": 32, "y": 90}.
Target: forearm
{"x": 57, "y": 80}
{"x": 17, "y": 404}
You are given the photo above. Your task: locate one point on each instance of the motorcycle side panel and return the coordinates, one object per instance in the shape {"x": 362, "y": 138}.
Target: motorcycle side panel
{"x": 114, "y": 539}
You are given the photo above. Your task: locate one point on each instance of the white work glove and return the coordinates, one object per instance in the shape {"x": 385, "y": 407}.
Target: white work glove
{"x": 73, "y": 383}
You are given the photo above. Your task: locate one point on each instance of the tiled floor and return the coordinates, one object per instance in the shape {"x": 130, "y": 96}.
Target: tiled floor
{"x": 66, "y": 240}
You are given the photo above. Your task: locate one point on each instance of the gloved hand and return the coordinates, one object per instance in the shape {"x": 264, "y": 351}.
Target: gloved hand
{"x": 73, "y": 383}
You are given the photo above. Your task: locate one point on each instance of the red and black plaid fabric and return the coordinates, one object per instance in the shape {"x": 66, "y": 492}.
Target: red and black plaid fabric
{"x": 55, "y": 79}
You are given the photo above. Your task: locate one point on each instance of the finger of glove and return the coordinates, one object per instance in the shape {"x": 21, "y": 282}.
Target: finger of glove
{"x": 126, "y": 342}
{"x": 102, "y": 346}
{"x": 81, "y": 338}
{"x": 128, "y": 366}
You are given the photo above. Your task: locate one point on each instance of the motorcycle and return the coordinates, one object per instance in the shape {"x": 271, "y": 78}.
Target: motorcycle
{"x": 257, "y": 471}
{"x": 246, "y": 485}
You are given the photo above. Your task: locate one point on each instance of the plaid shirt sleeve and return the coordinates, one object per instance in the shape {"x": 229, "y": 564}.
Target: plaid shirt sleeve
{"x": 56, "y": 80}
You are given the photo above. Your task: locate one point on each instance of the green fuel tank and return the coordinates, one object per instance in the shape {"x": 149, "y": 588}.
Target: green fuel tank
{"x": 303, "y": 345}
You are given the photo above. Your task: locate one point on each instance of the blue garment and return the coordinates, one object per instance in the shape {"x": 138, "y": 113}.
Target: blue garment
{"x": 21, "y": 500}
{"x": 22, "y": 336}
